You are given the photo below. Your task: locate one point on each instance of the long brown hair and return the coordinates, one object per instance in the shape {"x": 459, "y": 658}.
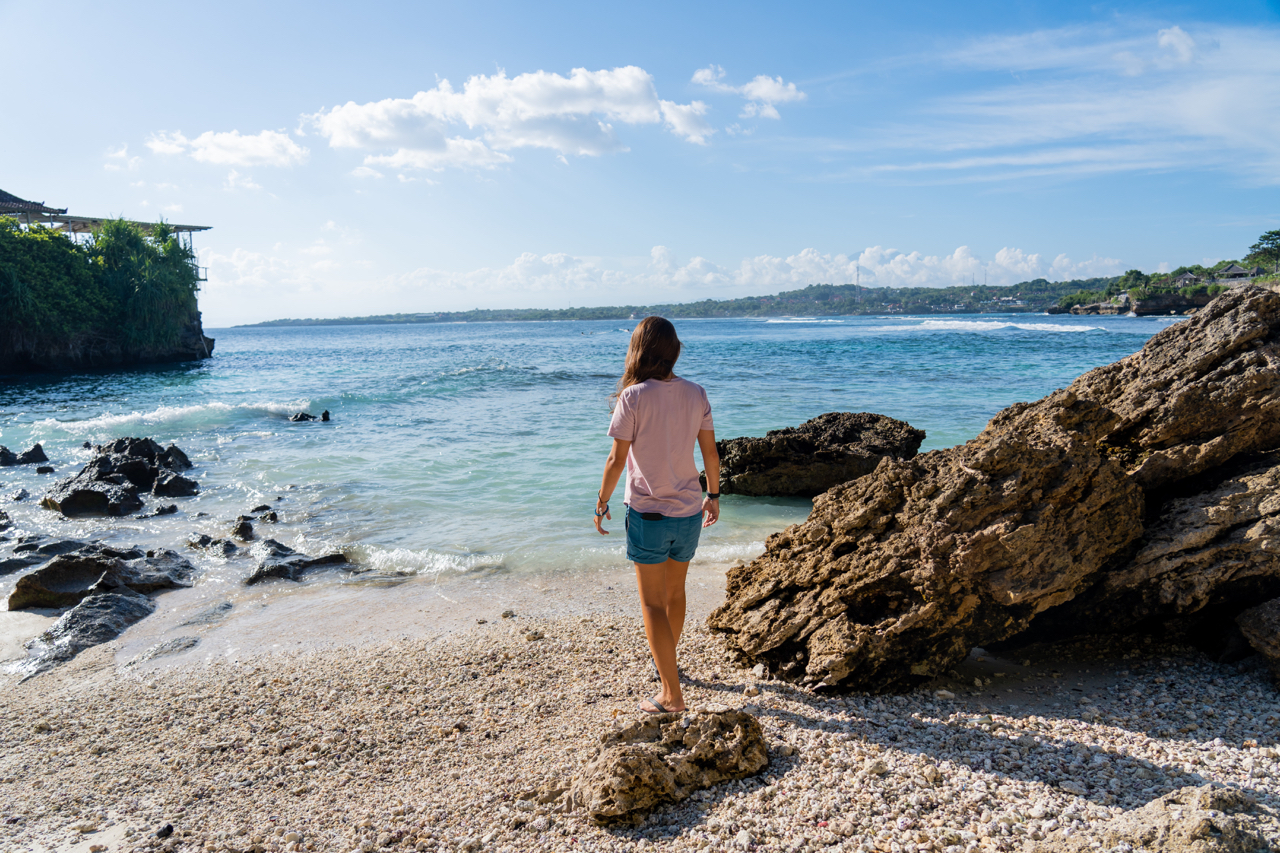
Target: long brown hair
{"x": 651, "y": 354}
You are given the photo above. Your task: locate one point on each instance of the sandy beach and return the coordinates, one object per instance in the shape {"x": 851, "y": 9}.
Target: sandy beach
{"x": 441, "y": 737}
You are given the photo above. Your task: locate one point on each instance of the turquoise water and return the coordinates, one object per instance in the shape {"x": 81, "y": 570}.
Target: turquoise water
{"x": 474, "y": 447}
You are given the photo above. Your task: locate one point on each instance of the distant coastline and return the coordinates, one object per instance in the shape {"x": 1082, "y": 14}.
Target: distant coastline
{"x": 819, "y": 300}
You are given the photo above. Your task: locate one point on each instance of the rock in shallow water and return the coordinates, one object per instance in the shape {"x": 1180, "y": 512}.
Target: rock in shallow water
{"x": 110, "y": 484}
{"x": 8, "y": 458}
{"x": 276, "y": 561}
{"x": 68, "y": 578}
{"x": 821, "y": 453}
{"x": 895, "y": 576}
{"x": 666, "y": 758}
{"x": 97, "y": 619}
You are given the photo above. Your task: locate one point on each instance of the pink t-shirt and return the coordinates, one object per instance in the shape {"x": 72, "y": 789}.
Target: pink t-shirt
{"x": 661, "y": 419}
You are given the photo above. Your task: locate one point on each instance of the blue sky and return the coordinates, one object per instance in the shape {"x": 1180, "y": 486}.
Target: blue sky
{"x": 418, "y": 157}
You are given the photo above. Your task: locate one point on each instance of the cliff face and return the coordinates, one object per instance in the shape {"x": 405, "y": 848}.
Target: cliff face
{"x": 19, "y": 354}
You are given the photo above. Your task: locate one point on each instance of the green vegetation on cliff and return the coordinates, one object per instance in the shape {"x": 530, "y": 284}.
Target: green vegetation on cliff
{"x": 120, "y": 296}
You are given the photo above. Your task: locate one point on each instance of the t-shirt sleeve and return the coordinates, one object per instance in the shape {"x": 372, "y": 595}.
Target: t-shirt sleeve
{"x": 706, "y": 412}
{"x": 623, "y": 424}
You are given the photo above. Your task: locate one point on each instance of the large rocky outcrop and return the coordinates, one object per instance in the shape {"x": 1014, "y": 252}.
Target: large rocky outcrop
{"x": 1208, "y": 819}
{"x": 114, "y": 480}
{"x": 895, "y": 576}
{"x": 69, "y": 578}
{"x": 666, "y": 758}
{"x": 809, "y": 459}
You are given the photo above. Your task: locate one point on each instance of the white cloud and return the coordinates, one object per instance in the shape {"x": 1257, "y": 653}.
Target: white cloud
{"x": 761, "y": 93}
{"x": 268, "y": 148}
{"x": 1179, "y": 43}
{"x": 568, "y": 115}
{"x": 666, "y": 278}
{"x": 366, "y": 172}
{"x": 1091, "y": 101}
{"x": 118, "y": 159}
{"x": 686, "y": 120}
{"x": 172, "y": 208}
{"x": 237, "y": 181}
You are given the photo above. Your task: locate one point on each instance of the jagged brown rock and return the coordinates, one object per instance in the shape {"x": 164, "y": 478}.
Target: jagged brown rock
{"x": 1203, "y": 558}
{"x": 895, "y": 576}
{"x": 1208, "y": 819}
{"x": 666, "y": 758}
{"x": 1261, "y": 628}
{"x": 809, "y": 459}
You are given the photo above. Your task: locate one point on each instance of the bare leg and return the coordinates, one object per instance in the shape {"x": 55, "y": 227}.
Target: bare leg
{"x": 652, "y": 580}
{"x": 675, "y": 597}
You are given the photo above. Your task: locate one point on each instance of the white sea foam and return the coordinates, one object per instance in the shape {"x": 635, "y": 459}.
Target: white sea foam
{"x": 424, "y": 562}
{"x": 173, "y": 414}
{"x": 803, "y": 320}
{"x": 988, "y": 326}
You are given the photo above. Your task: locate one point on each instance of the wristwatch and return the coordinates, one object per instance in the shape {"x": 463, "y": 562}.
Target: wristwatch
{"x": 712, "y": 497}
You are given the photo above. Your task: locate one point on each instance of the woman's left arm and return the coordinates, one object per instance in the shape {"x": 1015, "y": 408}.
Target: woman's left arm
{"x": 710, "y": 464}
{"x": 613, "y": 468}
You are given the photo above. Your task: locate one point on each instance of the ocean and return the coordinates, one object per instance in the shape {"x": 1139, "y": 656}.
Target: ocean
{"x": 476, "y": 449}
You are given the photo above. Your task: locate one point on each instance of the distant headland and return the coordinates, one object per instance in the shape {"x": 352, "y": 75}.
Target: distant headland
{"x": 818, "y": 300}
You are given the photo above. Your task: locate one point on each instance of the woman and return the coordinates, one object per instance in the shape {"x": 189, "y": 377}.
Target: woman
{"x": 657, "y": 417}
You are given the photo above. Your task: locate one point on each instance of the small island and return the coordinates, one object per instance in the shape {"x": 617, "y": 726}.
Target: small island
{"x": 125, "y": 295}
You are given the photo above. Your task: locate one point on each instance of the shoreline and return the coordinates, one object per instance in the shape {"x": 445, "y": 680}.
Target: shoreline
{"x": 437, "y": 740}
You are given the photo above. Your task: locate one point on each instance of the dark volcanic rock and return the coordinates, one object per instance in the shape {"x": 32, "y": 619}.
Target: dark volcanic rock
{"x": 895, "y": 576}
{"x": 44, "y": 469}
{"x": 171, "y": 509}
{"x": 34, "y": 455}
{"x": 301, "y": 417}
{"x": 69, "y": 578}
{"x": 97, "y": 619}
{"x": 664, "y": 759}
{"x": 33, "y": 554}
{"x": 221, "y": 547}
{"x": 1261, "y": 627}
{"x": 243, "y": 530}
{"x": 276, "y": 561}
{"x": 110, "y": 484}
{"x": 5, "y": 522}
{"x": 19, "y": 495}
{"x": 170, "y": 485}
{"x": 821, "y": 453}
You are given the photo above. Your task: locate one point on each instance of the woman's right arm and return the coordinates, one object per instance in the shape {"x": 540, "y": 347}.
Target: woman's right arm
{"x": 613, "y": 468}
{"x": 710, "y": 464}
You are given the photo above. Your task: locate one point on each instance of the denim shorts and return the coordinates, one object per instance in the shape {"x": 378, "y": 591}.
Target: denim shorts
{"x": 663, "y": 539}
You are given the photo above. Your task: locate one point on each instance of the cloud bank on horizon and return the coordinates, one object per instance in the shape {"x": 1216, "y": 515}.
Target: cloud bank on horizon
{"x": 543, "y": 280}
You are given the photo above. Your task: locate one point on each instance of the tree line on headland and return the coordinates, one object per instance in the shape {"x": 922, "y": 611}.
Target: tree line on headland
{"x": 121, "y": 297}
{"x": 815, "y": 300}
